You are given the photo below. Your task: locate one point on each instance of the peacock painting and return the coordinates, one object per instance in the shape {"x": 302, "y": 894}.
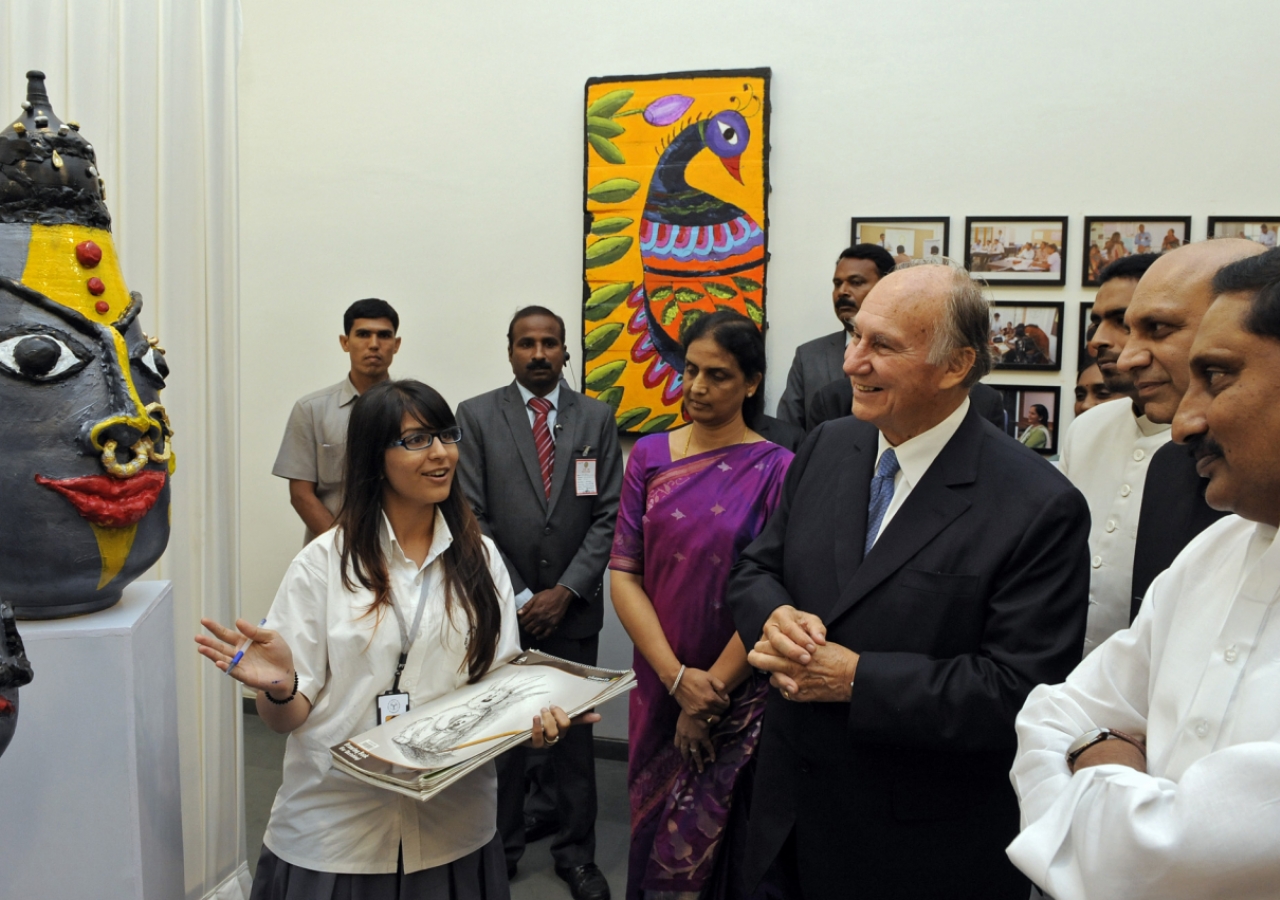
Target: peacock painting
{"x": 675, "y": 228}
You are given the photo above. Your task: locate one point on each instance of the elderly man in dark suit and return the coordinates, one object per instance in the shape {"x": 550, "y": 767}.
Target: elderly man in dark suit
{"x": 818, "y": 362}
{"x": 922, "y": 573}
{"x": 541, "y": 467}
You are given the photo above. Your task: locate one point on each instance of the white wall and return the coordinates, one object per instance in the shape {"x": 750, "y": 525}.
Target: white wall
{"x": 430, "y": 154}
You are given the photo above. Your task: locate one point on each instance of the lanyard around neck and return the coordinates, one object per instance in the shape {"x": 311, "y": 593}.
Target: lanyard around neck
{"x": 407, "y": 635}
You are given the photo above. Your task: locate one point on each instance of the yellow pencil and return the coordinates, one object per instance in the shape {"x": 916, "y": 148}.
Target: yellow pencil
{"x": 492, "y": 737}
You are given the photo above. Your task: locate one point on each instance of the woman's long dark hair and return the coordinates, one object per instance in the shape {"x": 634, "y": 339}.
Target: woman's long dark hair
{"x": 375, "y": 423}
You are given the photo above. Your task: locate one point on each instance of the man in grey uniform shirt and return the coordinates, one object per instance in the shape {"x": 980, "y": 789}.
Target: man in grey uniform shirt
{"x": 313, "y": 452}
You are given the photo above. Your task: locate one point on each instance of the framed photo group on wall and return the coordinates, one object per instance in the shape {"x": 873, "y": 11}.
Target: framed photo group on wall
{"x": 1108, "y": 238}
{"x": 1027, "y": 335}
{"x": 1031, "y": 415}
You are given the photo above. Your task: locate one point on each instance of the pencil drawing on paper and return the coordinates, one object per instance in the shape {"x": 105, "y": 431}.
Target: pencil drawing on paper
{"x": 431, "y": 740}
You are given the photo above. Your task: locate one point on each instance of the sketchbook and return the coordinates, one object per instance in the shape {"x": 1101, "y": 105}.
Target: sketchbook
{"x": 428, "y": 748}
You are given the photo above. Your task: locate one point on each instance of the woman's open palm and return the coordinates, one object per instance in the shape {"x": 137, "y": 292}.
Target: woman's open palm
{"x": 267, "y": 663}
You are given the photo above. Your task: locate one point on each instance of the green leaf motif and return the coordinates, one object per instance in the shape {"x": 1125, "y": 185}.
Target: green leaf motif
{"x": 615, "y": 190}
{"x": 610, "y": 103}
{"x": 746, "y": 284}
{"x": 756, "y": 314}
{"x": 611, "y": 396}
{"x": 669, "y": 312}
{"x": 687, "y": 295}
{"x": 608, "y": 250}
{"x": 657, "y": 423}
{"x": 610, "y": 225}
{"x": 606, "y": 128}
{"x": 720, "y": 307}
{"x": 719, "y": 291}
{"x": 660, "y": 294}
{"x": 607, "y": 149}
{"x": 632, "y": 417}
{"x": 690, "y": 317}
{"x": 604, "y": 300}
{"x": 604, "y": 376}
{"x": 628, "y": 112}
{"x": 600, "y": 339}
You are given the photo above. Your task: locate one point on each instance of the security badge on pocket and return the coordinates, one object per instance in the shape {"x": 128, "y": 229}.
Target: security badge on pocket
{"x": 392, "y": 704}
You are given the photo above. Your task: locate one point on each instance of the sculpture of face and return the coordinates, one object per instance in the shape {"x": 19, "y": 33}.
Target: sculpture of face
{"x": 84, "y": 489}
{"x": 15, "y": 671}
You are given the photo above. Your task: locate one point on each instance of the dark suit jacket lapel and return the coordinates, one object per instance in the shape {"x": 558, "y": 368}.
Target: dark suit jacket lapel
{"x": 837, "y": 343}
{"x": 854, "y": 492}
{"x": 517, "y": 417}
{"x": 931, "y": 507}
{"x": 566, "y": 422}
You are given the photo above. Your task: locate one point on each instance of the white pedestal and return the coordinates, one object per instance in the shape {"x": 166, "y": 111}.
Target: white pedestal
{"x": 90, "y": 804}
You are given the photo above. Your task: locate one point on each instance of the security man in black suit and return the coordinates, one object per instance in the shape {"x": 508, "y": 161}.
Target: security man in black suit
{"x": 922, "y": 573}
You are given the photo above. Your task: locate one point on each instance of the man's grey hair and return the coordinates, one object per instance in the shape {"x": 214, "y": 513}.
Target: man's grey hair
{"x": 967, "y": 322}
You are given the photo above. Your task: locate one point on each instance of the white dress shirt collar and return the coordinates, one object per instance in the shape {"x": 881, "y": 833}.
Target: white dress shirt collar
{"x": 526, "y": 395}
{"x": 441, "y": 539}
{"x": 915, "y": 456}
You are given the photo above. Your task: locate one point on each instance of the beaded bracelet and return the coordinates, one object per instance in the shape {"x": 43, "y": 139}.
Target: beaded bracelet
{"x": 288, "y": 699}
{"x": 675, "y": 684}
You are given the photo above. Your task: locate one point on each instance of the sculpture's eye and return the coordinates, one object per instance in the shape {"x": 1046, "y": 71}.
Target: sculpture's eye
{"x": 152, "y": 361}
{"x": 41, "y": 355}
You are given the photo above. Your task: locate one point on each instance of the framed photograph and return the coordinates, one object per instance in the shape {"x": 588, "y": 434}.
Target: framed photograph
{"x": 1031, "y": 415}
{"x": 1256, "y": 228}
{"x": 906, "y": 237}
{"x": 1027, "y": 335}
{"x": 1016, "y": 250}
{"x": 1084, "y": 358}
{"x": 1108, "y": 238}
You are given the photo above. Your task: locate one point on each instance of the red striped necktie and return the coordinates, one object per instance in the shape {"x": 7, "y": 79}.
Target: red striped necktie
{"x": 542, "y": 439}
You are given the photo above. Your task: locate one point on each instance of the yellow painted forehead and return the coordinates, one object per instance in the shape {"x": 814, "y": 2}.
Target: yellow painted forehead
{"x": 77, "y": 267}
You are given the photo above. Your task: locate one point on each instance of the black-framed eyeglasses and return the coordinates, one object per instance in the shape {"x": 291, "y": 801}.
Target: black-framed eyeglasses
{"x": 421, "y": 440}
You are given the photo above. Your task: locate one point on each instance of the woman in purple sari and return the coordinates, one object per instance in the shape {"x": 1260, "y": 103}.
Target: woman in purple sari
{"x": 691, "y": 501}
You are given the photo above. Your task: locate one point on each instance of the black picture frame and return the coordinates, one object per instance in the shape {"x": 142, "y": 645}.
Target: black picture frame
{"x": 1018, "y": 397}
{"x": 1264, "y": 221}
{"x": 944, "y": 221}
{"x": 991, "y": 266}
{"x": 1083, "y": 359}
{"x": 1090, "y": 267}
{"x": 1024, "y": 350}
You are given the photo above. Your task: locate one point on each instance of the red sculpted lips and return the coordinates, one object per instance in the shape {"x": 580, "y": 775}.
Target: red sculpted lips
{"x": 110, "y": 502}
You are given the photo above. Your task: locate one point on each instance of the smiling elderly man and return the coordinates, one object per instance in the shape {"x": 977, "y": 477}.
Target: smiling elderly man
{"x": 1154, "y": 771}
{"x": 921, "y": 574}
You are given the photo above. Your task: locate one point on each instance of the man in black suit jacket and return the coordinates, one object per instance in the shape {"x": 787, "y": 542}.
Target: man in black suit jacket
{"x": 1162, "y": 320}
{"x": 819, "y": 361}
{"x": 903, "y": 641}
{"x": 554, "y": 532}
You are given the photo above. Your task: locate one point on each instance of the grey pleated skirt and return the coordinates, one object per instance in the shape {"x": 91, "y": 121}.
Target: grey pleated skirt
{"x": 480, "y": 875}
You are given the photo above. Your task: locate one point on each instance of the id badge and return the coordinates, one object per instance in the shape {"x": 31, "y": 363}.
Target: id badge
{"x": 391, "y": 704}
{"x": 584, "y": 477}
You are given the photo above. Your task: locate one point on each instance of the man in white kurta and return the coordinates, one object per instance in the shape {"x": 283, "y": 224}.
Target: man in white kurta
{"x": 1106, "y": 452}
{"x": 1195, "y": 813}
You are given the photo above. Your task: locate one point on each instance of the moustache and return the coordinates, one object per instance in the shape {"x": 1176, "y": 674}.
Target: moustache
{"x": 1204, "y": 446}
{"x": 537, "y": 364}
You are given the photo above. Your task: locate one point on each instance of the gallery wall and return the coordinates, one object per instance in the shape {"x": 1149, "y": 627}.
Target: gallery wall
{"x": 431, "y": 154}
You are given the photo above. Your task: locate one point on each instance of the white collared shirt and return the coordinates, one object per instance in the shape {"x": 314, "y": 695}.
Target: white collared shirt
{"x": 1105, "y": 454}
{"x": 1198, "y": 674}
{"x": 915, "y": 456}
{"x": 326, "y": 820}
{"x": 553, "y": 398}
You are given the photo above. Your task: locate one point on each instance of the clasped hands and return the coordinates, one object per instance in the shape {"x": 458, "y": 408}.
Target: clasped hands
{"x": 801, "y": 663}
{"x": 703, "y": 699}
{"x": 542, "y": 614}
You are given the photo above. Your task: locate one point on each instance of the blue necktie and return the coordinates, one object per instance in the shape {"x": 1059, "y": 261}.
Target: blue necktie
{"x": 881, "y": 495}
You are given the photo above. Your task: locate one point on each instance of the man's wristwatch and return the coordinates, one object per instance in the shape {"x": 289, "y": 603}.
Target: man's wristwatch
{"x": 1097, "y": 736}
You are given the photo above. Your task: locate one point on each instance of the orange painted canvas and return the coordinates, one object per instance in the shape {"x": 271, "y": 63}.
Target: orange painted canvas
{"x": 676, "y": 194}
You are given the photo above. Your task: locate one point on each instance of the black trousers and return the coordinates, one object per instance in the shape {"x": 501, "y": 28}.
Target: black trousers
{"x": 564, "y": 781}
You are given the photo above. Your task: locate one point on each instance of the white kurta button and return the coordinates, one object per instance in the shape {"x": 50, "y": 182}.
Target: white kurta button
{"x": 1139, "y": 453}
{"x": 1125, "y": 490}
{"x": 1097, "y": 562}
{"x": 1231, "y": 654}
{"x": 1202, "y": 728}
{"x": 1111, "y": 525}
